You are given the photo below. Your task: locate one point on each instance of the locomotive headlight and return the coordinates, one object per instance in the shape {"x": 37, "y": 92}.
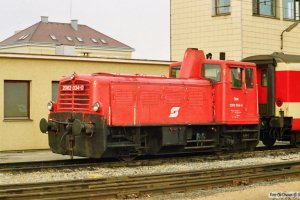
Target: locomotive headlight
{"x": 72, "y": 76}
{"x": 50, "y": 106}
{"x": 96, "y": 107}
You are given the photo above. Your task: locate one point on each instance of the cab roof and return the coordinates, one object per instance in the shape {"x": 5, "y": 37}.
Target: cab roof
{"x": 274, "y": 57}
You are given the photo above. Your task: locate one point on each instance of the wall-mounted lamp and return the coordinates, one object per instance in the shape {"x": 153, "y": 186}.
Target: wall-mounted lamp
{"x": 288, "y": 29}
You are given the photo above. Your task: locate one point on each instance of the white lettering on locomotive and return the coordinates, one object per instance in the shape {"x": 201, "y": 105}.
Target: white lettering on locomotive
{"x": 78, "y": 87}
{"x": 73, "y": 88}
{"x": 236, "y": 99}
{"x": 174, "y": 112}
{"x": 67, "y": 87}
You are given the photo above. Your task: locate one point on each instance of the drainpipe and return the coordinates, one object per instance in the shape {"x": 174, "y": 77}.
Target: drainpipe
{"x": 288, "y": 29}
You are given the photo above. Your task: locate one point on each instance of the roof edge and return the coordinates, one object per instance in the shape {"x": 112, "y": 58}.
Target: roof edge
{"x": 278, "y": 56}
{"x": 82, "y": 58}
{"x": 107, "y": 48}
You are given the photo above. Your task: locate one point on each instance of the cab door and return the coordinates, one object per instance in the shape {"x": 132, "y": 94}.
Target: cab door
{"x": 251, "y": 108}
{"x": 262, "y": 84}
{"x": 241, "y": 95}
{"x": 235, "y": 95}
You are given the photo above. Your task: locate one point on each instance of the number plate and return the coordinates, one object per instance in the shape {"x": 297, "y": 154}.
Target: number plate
{"x": 72, "y": 87}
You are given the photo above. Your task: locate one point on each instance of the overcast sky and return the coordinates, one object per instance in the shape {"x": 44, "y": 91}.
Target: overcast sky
{"x": 141, "y": 24}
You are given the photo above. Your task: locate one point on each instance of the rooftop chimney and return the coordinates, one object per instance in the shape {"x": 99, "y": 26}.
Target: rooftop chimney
{"x": 44, "y": 19}
{"x": 74, "y": 24}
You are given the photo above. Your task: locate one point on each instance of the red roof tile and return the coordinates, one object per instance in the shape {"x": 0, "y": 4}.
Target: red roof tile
{"x": 41, "y": 31}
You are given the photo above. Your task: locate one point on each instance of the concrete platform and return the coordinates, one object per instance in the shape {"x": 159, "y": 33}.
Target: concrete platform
{"x": 30, "y": 155}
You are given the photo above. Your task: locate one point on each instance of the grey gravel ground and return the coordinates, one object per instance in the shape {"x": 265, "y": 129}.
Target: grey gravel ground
{"x": 95, "y": 172}
{"x": 257, "y": 191}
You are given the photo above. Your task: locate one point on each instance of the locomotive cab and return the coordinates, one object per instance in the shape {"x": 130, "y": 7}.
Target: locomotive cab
{"x": 234, "y": 93}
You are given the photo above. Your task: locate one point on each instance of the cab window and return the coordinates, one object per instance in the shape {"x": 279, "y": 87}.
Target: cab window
{"x": 211, "y": 71}
{"x": 175, "y": 71}
{"x": 264, "y": 78}
{"x": 236, "y": 77}
{"x": 249, "y": 78}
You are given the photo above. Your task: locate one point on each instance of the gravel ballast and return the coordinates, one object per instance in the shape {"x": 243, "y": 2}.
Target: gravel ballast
{"x": 96, "y": 172}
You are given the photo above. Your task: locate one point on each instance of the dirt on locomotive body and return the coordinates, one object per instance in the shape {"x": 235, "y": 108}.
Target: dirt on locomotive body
{"x": 205, "y": 105}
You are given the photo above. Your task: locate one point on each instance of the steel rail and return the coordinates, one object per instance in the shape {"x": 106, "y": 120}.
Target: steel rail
{"x": 126, "y": 186}
{"x": 143, "y": 161}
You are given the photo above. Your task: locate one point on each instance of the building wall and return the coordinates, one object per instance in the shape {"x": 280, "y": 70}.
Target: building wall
{"x": 51, "y": 50}
{"x": 41, "y": 71}
{"x": 28, "y": 49}
{"x": 261, "y": 35}
{"x": 103, "y": 53}
{"x": 192, "y": 25}
{"x": 239, "y": 34}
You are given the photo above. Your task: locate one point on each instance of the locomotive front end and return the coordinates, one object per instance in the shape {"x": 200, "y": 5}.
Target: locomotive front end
{"x": 76, "y": 124}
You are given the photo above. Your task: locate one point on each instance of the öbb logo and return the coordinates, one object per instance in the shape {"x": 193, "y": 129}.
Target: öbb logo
{"x": 174, "y": 112}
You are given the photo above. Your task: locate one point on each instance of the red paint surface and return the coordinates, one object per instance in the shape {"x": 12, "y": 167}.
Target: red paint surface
{"x": 296, "y": 124}
{"x": 262, "y": 90}
{"x": 192, "y": 63}
{"x": 288, "y": 86}
{"x": 128, "y": 100}
{"x": 236, "y": 106}
{"x": 288, "y": 90}
{"x": 145, "y": 104}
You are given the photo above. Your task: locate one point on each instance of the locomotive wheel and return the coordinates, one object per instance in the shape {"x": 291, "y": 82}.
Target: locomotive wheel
{"x": 270, "y": 138}
{"x": 269, "y": 141}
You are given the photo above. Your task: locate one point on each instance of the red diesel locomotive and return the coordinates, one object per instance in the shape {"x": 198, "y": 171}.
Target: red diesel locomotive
{"x": 212, "y": 106}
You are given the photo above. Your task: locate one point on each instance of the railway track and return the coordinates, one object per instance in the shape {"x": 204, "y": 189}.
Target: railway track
{"x": 152, "y": 184}
{"x": 143, "y": 161}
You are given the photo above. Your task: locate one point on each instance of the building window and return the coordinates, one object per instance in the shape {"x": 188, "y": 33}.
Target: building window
{"x": 69, "y": 38}
{"x": 94, "y": 40}
{"x": 291, "y": 9}
{"x": 103, "y": 41}
{"x": 264, "y": 7}
{"x": 87, "y": 54}
{"x": 221, "y": 7}
{"x": 79, "y": 39}
{"x": 16, "y": 99}
{"x": 23, "y": 37}
{"x": 55, "y": 85}
{"x": 53, "y": 37}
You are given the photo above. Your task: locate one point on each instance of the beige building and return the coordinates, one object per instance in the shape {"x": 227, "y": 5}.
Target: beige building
{"x": 240, "y": 28}
{"x": 29, "y": 82}
{"x": 53, "y": 38}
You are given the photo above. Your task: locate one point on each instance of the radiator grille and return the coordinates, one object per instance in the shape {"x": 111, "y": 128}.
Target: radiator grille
{"x": 72, "y": 99}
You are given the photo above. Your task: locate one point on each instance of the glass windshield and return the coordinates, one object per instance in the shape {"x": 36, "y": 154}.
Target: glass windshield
{"x": 236, "y": 77}
{"x": 212, "y": 71}
{"x": 175, "y": 71}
